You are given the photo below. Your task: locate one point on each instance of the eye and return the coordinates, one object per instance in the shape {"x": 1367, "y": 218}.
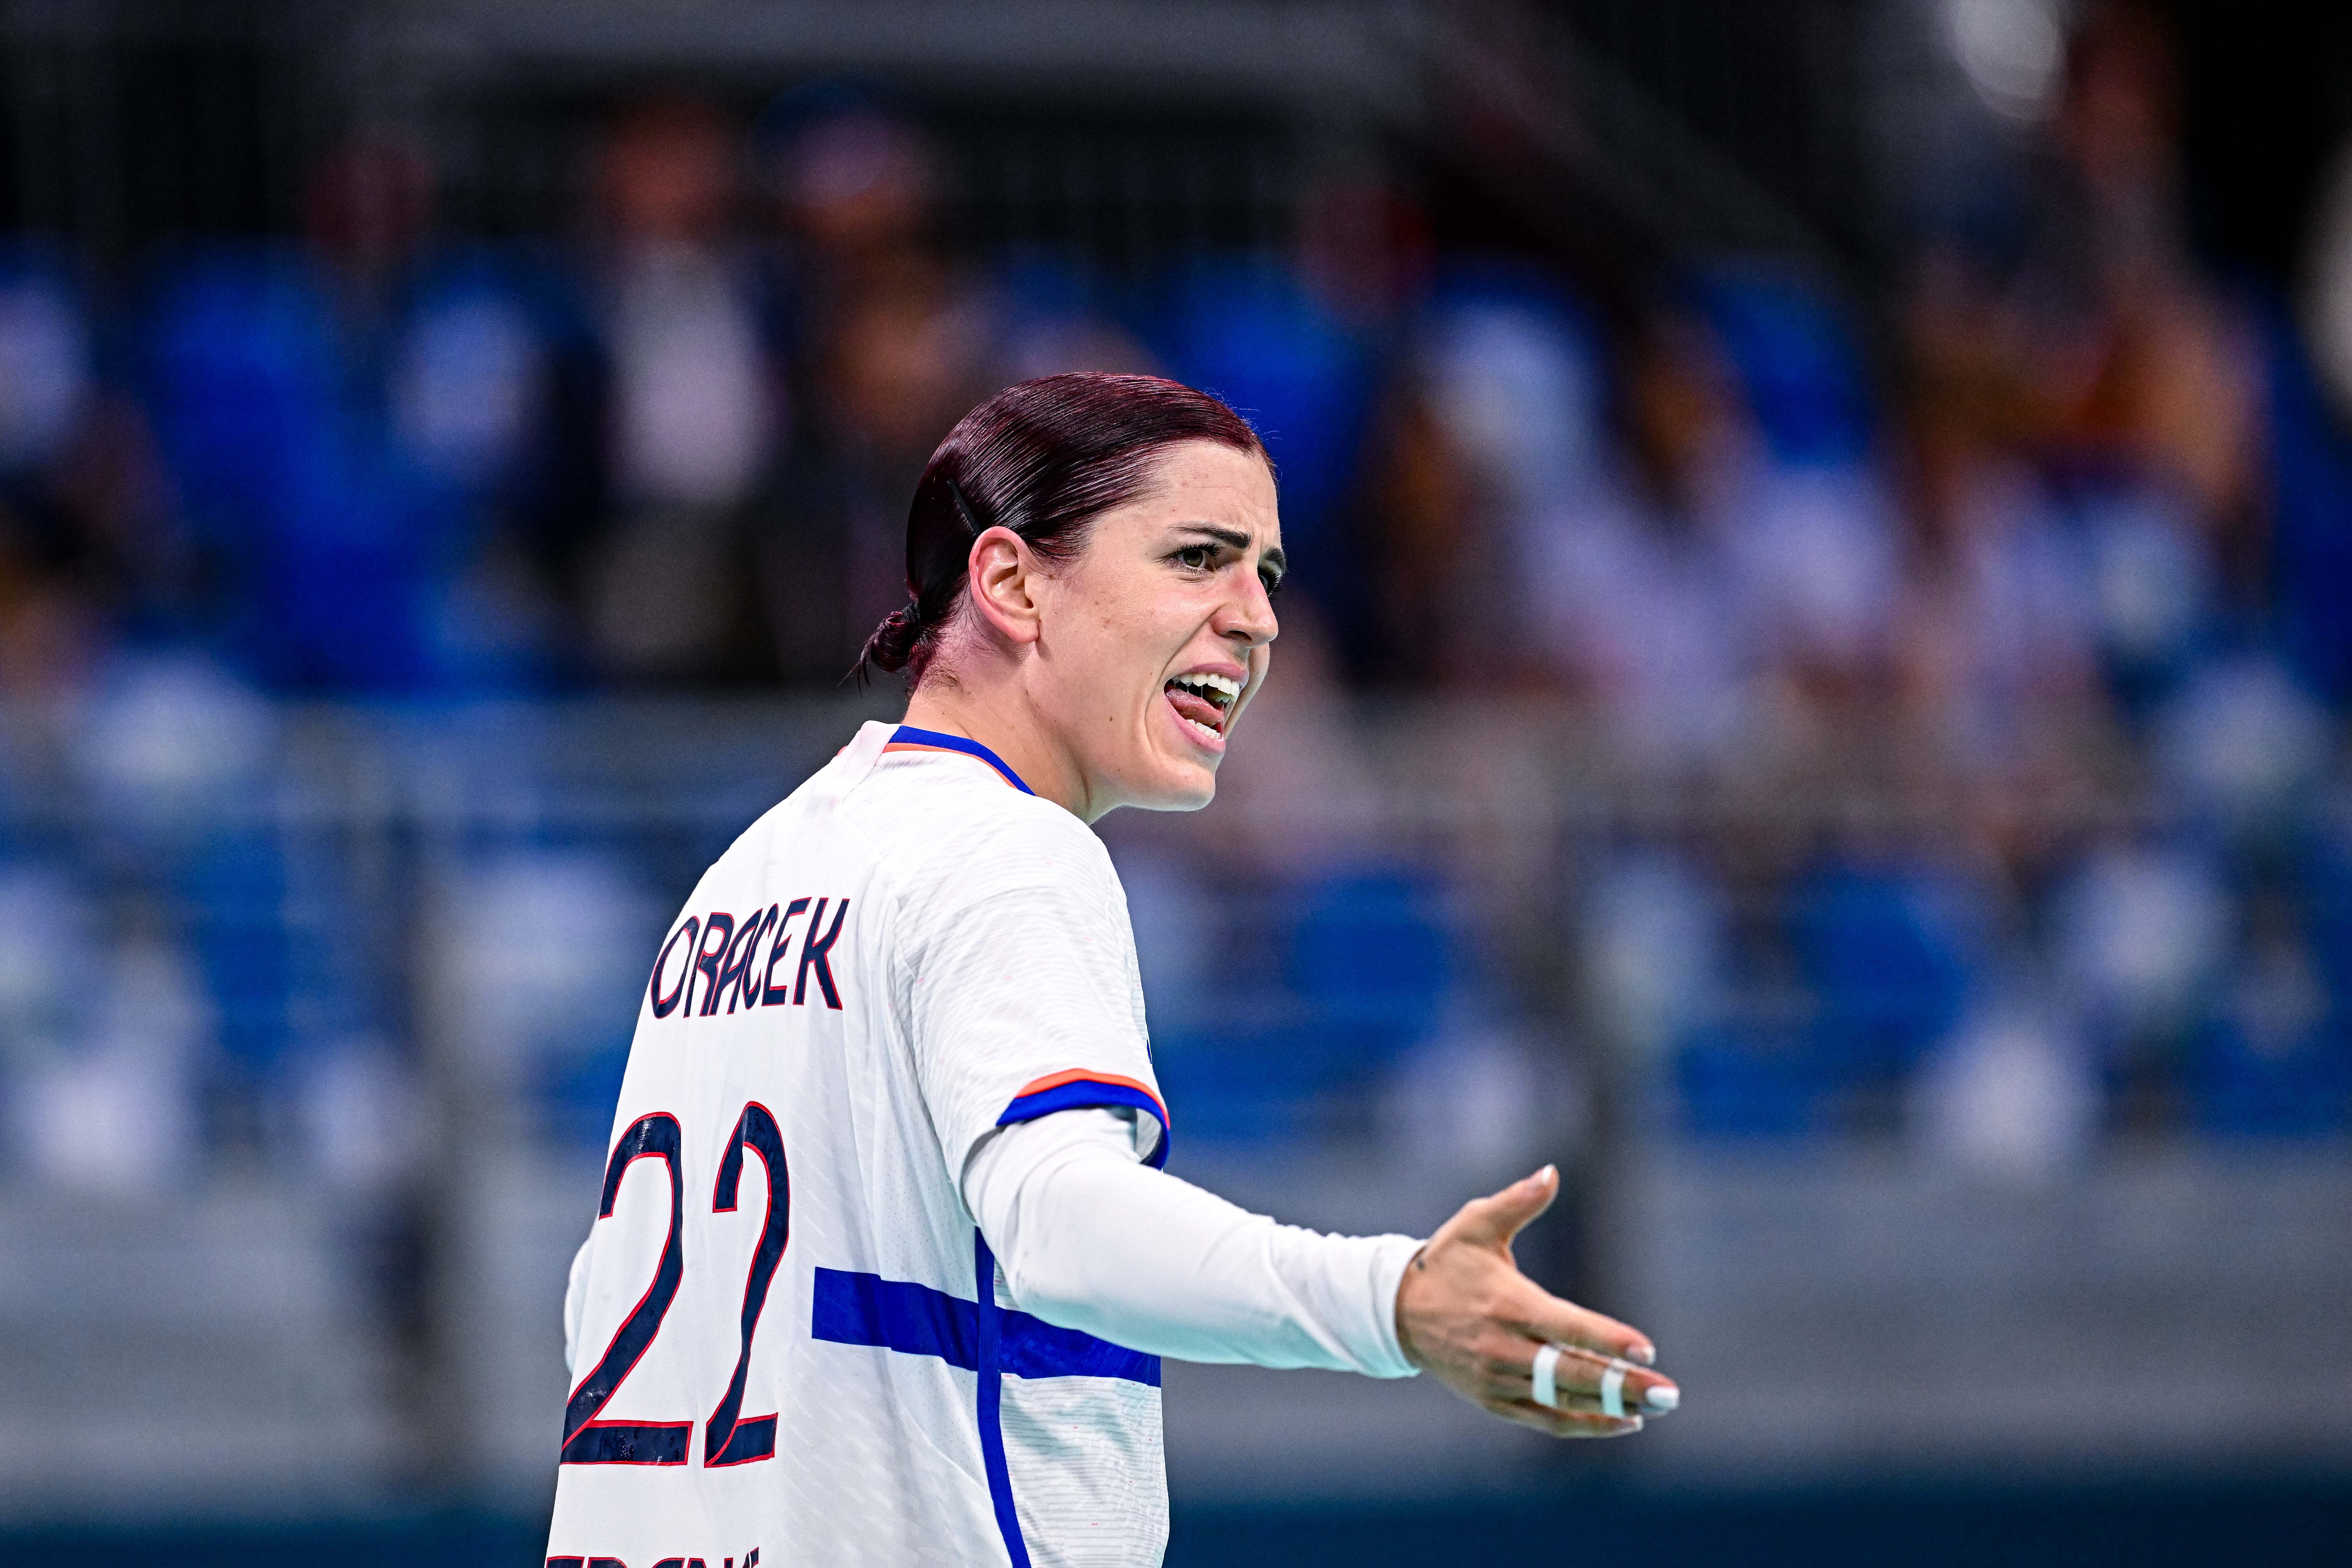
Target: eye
{"x": 1273, "y": 581}
{"x": 1197, "y": 557}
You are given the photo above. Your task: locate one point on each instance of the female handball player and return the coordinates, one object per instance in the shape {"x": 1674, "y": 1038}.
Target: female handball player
{"x": 885, "y": 1259}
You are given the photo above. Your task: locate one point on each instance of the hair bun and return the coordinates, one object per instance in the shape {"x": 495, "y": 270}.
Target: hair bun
{"x": 893, "y": 642}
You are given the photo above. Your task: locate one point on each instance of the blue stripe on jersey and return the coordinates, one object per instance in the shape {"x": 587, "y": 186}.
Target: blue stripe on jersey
{"x": 1087, "y": 1094}
{"x": 991, "y": 1403}
{"x": 969, "y": 748}
{"x": 915, "y": 1320}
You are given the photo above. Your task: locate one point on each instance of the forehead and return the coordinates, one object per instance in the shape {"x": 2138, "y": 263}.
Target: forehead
{"x": 1207, "y": 481}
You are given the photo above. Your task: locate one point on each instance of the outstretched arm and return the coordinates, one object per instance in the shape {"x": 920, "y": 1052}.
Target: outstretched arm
{"x": 1090, "y": 1239}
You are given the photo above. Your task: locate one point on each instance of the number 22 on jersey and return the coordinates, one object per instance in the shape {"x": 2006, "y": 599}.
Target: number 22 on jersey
{"x": 728, "y": 1437}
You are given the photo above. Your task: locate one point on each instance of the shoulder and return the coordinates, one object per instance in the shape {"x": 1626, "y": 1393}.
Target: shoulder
{"x": 954, "y": 831}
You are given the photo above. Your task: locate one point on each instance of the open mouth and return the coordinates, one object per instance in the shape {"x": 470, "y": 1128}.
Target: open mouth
{"x": 1204, "y": 700}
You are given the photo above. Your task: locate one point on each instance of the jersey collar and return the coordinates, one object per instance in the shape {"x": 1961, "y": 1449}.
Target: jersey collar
{"x": 906, "y": 738}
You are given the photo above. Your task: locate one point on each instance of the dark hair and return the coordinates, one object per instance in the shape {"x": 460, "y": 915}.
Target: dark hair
{"x": 1044, "y": 459}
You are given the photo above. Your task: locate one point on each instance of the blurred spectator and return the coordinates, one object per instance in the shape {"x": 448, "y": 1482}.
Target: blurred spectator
{"x": 1422, "y": 551}
{"x": 2244, "y": 747}
{"x": 51, "y": 564}
{"x": 1488, "y": 431}
{"x": 118, "y": 1110}
{"x": 164, "y": 740}
{"x": 694, "y": 407}
{"x": 1178, "y": 934}
{"x": 536, "y": 972}
{"x": 1811, "y": 532}
{"x": 368, "y": 208}
{"x": 2161, "y": 415}
{"x": 471, "y": 386}
{"x": 1997, "y": 625}
{"x": 2326, "y": 282}
{"x": 88, "y": 553}
{"x": 2073, "y": 368}
{"x": 894, "y": 340}
{"x": 2139, "y": 934}
{"x": 47, "y": 935}
{"x": 316, "y": 552}
{"x": 1656, "y": 950}
{"x": 44, "y": 367}
{"x": 2013, "y": 1095}
{"x": 2173, "y": 383}
{"x": 2000, "y": 626}
{"x": 361, "y": 1117}
{"x": 1631, "y": 597}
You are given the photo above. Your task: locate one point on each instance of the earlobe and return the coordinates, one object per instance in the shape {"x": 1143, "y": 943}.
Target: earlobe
{"x": 1004, "y": 576}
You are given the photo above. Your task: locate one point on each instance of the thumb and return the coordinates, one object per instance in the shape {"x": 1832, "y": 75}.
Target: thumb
{"x": 1493, "y": 1222}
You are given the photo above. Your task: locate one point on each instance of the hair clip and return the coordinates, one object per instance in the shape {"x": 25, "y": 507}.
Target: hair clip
{"x": 963, "y": 508}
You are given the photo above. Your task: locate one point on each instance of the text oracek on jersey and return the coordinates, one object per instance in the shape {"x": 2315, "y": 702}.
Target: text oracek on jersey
{"x": 751, "y": 961}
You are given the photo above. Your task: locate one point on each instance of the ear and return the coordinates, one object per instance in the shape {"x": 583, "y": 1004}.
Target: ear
{"x": 1005, "y": 575}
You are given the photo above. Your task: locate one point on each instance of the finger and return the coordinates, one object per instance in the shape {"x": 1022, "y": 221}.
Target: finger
{"x": 1493, "y": 1222}
{"x": 1565, "y": 1378}
{"x": 1544, "y": 1316}
{"x": 1562, "y": 1423}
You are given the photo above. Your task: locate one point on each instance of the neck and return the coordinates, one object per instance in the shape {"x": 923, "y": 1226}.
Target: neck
{"x": 1002, "y": 718}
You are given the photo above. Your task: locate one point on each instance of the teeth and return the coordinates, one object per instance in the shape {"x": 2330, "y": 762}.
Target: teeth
{"x": 1203, "y": 728}
{"x": 1219, "y": 689}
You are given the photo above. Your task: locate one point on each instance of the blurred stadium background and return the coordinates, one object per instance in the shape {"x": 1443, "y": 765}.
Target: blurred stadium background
{"x": 1814, "y": 692}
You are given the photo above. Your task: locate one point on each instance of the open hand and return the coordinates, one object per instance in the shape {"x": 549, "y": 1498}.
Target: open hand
{"x": 1468, "y": 1315}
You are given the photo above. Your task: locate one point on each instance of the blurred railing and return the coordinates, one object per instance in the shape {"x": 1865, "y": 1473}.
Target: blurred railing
{"x": 313, "y": 1019}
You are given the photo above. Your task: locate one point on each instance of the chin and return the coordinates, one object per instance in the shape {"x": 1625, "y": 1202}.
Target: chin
{"x": 1184, "y": 787}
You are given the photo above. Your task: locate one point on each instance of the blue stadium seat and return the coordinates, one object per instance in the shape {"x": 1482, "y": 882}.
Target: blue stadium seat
{"x": 1798, "y": 359}
{"x": 1752, "y": 1080}
{"x": 2311, "y": 476}
{"x": 1888, "y": 968}
{"x": 2299, "y": 1087}
{"x": 1364, "y": 965}
{"x": 323, "y": 539}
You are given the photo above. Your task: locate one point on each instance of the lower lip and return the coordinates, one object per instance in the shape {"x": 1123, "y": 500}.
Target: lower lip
{"x": 1214, "y": 745}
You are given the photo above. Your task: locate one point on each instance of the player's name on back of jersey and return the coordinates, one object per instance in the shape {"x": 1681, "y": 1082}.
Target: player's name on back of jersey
{"x": 720, "y": 962}
{"x": 751, "y": 1559}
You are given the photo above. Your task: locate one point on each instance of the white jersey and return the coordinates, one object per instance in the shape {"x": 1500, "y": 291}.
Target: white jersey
{"x": 791, "y": 1344}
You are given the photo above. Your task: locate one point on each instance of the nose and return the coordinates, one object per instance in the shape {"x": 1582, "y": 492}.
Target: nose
{"x": 1248, "y": 616}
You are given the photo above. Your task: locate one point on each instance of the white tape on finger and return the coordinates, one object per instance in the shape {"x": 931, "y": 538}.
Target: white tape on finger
{"x": 1613, "y": 1391}
{"x": 1546, "y": 1377}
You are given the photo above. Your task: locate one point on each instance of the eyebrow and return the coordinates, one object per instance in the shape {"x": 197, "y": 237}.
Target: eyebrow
{"x": 1234, "y": 539}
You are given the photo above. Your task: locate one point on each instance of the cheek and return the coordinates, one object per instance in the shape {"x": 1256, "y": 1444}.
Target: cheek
{"x": 1107, "y": 656}
{"x": 1130, "y": 638}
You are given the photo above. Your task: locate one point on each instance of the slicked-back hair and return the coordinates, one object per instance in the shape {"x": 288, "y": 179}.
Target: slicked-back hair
{"x": 1044, "y": 459}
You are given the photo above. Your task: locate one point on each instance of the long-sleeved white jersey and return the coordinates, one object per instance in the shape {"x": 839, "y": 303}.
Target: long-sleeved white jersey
{"x": 791, "y": 1340}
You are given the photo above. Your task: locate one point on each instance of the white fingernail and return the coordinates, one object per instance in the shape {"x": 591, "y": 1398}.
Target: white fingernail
{"x": 1646, "y": 1354}
{"x": 1661, "y": 1399}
